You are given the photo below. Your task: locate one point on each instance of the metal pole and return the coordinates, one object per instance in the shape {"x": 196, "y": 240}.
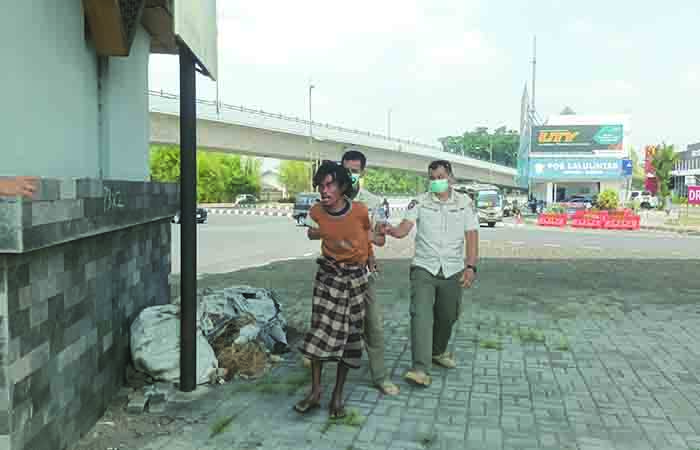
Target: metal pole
{"x": 311, "y": 121}
{"x": 218, "y": 104}
{"x": 188, "y": 226}
{"x": 534, "y": 70}
{"x": 491, "y": 157}
{"x": 388, "y": 124}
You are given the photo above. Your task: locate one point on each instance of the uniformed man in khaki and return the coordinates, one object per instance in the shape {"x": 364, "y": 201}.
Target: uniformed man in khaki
{"x": 355, "y": 161}
{"x": 442, "y": 266}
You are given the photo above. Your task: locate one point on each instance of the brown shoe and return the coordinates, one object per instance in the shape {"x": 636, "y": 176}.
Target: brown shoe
{"x": 418, "y": 377}
{"x": 445, "y": 360}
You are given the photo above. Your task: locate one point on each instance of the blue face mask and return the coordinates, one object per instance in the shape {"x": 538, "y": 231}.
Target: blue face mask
{"x": 439, "y": 186}
{"x": 355, "y": 179}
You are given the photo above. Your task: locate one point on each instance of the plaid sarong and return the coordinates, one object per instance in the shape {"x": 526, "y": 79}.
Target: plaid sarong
{"x": 337, "y": 314}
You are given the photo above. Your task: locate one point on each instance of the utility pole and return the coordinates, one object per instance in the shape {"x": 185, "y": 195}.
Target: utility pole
{"x": 388, "y": 123}
{"x": 534, "y": 71}
{"x": 218, "y": 102}
{"x": 311, "y": 121}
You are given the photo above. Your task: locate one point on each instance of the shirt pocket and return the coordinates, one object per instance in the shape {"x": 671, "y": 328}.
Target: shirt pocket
{"x": 456, "y": 222}
{"x": 431, "y": 223}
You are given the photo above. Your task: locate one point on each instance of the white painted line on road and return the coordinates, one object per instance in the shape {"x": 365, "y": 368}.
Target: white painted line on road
{"x": 552, "y": 245}
{"x": 306, "y": 255}
{"x": 516, "y": 243}
{"x": 588, "y": 247}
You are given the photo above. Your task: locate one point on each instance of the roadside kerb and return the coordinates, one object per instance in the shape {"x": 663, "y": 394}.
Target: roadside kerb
{"x": 262, "y": 212}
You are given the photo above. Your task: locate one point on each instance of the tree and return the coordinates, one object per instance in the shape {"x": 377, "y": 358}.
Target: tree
{"x": 220, "y": 177}
{"x": 165, "y": 163}
{"x": 392, "y": 182}
{"x": 567, "y": 111}
{"x": 608, "y": 199}
{"x": 295, "y": 175}
{"x": 501, "y": 146}
{"x": 664, "y": 161}
{"x": 638, "y": 174}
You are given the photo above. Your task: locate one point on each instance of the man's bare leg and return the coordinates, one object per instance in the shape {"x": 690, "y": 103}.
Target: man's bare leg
{"x": 337, "y": 405}
{"x": 313, "y": 400}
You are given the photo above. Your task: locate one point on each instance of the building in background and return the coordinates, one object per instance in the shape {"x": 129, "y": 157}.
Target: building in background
{"x": 272, "y": 188}
{"x": 572, "y": 155}
{"x": 687, "y": 170}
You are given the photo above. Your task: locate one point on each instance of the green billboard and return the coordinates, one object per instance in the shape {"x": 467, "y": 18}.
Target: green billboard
{"x": 579, "y": 139}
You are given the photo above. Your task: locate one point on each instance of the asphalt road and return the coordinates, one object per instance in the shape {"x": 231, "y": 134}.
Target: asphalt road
{"x": 229, "y": 243}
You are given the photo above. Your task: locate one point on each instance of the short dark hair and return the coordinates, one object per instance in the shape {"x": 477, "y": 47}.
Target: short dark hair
{"x": 440, "y": 163}
{"x": 338, "y": 173}
{"x": 355, "y": 155}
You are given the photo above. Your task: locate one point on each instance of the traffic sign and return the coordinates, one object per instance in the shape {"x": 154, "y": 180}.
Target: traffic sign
{"x": 627, "y": 167}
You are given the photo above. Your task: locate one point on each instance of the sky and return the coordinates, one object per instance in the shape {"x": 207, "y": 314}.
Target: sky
{"x": 447, "y": 66}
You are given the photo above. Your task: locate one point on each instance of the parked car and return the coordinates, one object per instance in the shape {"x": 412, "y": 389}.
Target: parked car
{"x": 302, "y": 205}
{"x": 245, "y": 199}
{"x": 200, "y": 215}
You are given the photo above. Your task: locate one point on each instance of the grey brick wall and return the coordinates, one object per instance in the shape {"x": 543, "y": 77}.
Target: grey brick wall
{"x": 69, "y": 209}
{"x": 65, "y": 312}
{"x": 77, "y": 264}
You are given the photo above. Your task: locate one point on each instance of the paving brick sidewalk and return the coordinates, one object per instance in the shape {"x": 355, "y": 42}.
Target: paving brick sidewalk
{"x": 557, "y": 350}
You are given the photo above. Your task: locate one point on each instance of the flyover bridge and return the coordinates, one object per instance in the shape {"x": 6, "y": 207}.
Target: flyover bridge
{"x": 240, "y": 130}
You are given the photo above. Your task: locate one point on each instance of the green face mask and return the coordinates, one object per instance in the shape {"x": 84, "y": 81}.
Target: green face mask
{"x": 439, "y": 186}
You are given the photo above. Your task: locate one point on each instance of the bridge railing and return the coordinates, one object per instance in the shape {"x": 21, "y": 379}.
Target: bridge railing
{"x": 420, "y": 145}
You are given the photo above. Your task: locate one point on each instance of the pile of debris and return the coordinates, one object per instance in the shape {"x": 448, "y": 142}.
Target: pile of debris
{"x": 240, "y": 330}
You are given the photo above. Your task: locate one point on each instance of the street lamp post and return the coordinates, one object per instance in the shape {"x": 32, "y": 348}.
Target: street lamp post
{"x": 311, "y": 86}
{"x": 491, "y": 160}
{"x": 388, "y": 123}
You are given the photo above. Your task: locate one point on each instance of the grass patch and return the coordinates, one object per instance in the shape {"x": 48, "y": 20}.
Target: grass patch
{"x": 221, "y": 425}
{"x": 531, "y": 335}
{"x": 563, "y": 344}
{"x": 288, "y": 385}
{"x": 353, "y": 418}
{"x": 491, "y": 344}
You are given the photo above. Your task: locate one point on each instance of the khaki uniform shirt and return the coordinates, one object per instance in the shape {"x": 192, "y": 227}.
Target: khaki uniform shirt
{"x": 440, "y": 228}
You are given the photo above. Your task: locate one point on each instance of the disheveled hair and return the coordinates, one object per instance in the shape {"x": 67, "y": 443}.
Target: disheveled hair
{"x": 338, "y": 173}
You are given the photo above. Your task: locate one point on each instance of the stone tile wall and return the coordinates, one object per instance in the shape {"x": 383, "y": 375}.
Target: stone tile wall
{"x": 77, "y": 265}
{"x": 64, "y": 330}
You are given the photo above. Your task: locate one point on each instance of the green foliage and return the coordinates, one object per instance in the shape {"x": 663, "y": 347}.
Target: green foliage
{"x": 531, "y": 335}
{"x": 295, "y": 176}
{"x": 679, "y": 200}
{"x": 567, "y": 111}
{"x": 608, "y": 200}
{"x": 221, "y": 425}
{"x": 664, "y": 161}
{"x": 220, "y": 177}
{"x": 491, "y": 344}
{"x": 634, "y": 205}
{"x": 476, "y": 144}
{"x": 556, "y": 209}
{"x": 386, "y": 181}
{"x": 638, "y": 175}
{"x": 165, "y": 163}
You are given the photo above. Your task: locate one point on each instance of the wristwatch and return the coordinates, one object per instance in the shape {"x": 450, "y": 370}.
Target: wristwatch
{"x": 469, "y": 266}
